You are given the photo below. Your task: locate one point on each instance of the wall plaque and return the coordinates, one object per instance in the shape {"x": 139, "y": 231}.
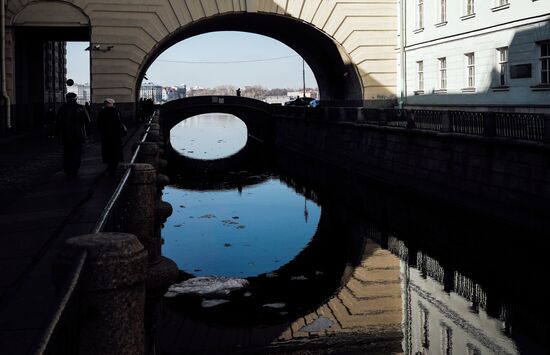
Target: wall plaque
{"x": 519, "y": 71}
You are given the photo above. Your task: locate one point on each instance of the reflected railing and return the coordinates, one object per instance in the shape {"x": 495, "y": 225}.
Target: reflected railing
{"x": 514, "y": 319}
{"x": 61, "y": 334}
{"x": 513, "y": 125}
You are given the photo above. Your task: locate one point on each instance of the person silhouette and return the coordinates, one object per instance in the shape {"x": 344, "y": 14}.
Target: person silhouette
{"x": 239, "y": 92}
{"x": 72, "y": 124}
{"x": 111, "y": 130}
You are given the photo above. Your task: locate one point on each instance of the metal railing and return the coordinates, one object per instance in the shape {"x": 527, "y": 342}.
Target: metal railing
{"x": 61, "y": 334}
{"x": 515, "y": 125}
{"x": 111, "y": 213}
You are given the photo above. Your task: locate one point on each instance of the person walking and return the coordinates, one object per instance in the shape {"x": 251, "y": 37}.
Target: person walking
{"x": 111, "y": 130}
{"x": 72, "y": 124}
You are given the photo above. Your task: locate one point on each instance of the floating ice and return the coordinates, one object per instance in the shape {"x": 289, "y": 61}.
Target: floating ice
{"x": 207, "y": 285}
{"x": 212, "y": 303}
{"x": 318, "y": 325}
{"x": 274, "y": 305}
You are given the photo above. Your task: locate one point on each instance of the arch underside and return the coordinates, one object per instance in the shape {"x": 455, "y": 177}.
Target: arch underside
{"x": 336, "y": 76}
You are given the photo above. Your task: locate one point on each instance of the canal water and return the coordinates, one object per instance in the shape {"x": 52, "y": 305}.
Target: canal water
{"x": 282, "y": 254}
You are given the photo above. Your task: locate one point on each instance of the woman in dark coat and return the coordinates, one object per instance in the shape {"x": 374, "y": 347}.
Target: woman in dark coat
{"x": 111, "y": 131}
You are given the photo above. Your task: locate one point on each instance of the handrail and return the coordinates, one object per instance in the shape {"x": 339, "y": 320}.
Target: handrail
{"x": 80, "y": 261}
{"x": 71, "y": 285}
{"x": 100, "y": 224}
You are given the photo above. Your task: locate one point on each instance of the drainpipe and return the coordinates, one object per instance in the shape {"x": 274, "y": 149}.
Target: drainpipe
{"x": 403, "y": 39}
{"x": 5, "y": 96}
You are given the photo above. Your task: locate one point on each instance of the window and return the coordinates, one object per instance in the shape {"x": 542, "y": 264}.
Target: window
{"x": 502, "y": 66}
{"x": 469, "y": 7}
{"x": 446, "y": 340}
{"x": 545, "y": 63}
{"x": 470, "y": 70}
{"x": 442, "y": 73}
{"x": 442, "y": 11}
{"x": 420, "y": 75}
{"x": 424, "y": 327}
{"x": 419, "y": 14}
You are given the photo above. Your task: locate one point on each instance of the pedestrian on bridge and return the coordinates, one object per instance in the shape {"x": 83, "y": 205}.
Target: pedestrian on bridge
{"x": 72, "y": 125}
{"x": 111, "y": 130}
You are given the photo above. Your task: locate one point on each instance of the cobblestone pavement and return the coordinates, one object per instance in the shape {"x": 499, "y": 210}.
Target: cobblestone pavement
{"x": 26, "y": 161}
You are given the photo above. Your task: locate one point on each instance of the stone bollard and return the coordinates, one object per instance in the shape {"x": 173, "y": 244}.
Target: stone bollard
{"x": 141, "y": 197}
{"x": 162, "y": 181}
{"x": 112, "y": 292}
{"x": 153, "y": 136}
{"x": 149, "y": 154}
{"x": 143, "y": 219}
{"x": 163, "y": 210}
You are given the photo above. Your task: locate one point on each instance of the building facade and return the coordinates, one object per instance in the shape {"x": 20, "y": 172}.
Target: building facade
{"x": 151, "y": 91}
{"x": 473, "y": 54}
{"x": 82, "y": 91}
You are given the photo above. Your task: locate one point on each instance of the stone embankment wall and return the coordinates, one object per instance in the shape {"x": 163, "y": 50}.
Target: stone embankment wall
{"x": 506, "y": 178}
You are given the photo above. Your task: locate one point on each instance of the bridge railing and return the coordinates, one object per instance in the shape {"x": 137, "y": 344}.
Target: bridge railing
{"x": 61, "y": 335}
{"x": 514, "y": 125}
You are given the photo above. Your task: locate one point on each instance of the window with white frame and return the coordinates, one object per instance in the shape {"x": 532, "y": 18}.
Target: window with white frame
{"x": 502, "y": 66}
{"x": 545, "y": 63}
{"x": 442, "y": 11}
{"x": 469, "y": 7}
{"x": 419, "y": 14}
{"x": 470, "y": 70}
{"x": 420, "y": 75}
{"x": 442, "y": 73}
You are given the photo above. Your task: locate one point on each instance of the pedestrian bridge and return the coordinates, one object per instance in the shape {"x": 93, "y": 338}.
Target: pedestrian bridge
{"x": 255, "y": 114}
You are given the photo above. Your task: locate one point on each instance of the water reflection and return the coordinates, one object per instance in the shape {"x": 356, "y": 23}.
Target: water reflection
{"x": 385, "y": 272}
{"x": 209, "y": 136}
{"x": 241, "y": 232}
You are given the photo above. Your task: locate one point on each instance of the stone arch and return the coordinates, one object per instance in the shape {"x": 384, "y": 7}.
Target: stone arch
{"x": 336, "y": 76}
{"x": 51, "y": 14}
{"x": 365, "y": 31}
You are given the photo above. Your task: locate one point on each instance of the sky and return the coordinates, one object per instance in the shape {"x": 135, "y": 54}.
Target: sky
{"x": 277, "y": 66}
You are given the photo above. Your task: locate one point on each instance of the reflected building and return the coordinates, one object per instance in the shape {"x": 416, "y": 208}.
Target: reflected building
{"x": 436, "y": 321}
{"x": 368, "y": 305}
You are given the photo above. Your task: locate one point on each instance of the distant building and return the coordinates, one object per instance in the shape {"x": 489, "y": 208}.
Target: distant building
{"x": 174, "y": 92}
{"x": 276, "y": 99}
{"x": 82, "y": 92}
{"x": 295, "y": 94}
{"x": 151, "y": 91}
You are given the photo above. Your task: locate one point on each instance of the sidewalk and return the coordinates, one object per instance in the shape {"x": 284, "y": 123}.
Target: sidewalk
{"x": 33, "y": 228}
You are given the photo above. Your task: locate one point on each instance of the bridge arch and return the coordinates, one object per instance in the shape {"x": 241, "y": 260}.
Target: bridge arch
{"x": 363, "y": 35}
{"x": 338, "y": 79}
{"x": 254, "y": 113}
